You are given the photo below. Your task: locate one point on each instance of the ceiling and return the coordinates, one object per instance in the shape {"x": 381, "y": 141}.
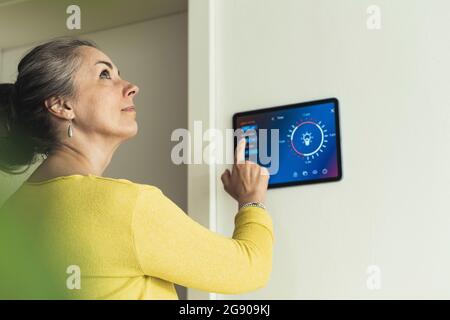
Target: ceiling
{"x": 27, "y": 21}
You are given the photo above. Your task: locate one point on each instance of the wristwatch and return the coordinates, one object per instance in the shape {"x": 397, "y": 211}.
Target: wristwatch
{"x": 253, "y": 204}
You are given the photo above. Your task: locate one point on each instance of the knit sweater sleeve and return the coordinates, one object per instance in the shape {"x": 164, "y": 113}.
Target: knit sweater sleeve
{"x": 172, "y": 246}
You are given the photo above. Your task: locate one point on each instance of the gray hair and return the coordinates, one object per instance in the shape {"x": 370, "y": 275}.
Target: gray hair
{"x": 44, "y": 72}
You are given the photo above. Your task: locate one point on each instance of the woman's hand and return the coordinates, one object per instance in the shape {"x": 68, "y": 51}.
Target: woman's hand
{"x": 248, "y": 181}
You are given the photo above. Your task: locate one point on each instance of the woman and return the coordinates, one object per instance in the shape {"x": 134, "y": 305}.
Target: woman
{"x": 126, "y": 240}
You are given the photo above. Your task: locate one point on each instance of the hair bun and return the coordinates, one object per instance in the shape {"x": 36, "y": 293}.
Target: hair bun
{"x": 8, "y": 100}
{"x": 16, "y": 149}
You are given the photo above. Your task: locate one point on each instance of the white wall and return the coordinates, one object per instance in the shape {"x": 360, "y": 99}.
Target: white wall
{"x": 391, "y": 208}
{"x": 201, "y": 106}
{"x": 152, "y": 54}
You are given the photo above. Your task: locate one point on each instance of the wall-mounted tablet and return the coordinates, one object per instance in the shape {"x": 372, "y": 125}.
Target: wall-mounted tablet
{"x": 300, "y": 144}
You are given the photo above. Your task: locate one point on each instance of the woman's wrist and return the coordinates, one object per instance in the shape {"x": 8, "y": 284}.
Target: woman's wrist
{"x": 251, "y": 204}
{"x": 253, "y": 197}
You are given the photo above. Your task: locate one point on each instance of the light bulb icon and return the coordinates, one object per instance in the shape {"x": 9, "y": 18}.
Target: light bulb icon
{"x": 307, "y": 137}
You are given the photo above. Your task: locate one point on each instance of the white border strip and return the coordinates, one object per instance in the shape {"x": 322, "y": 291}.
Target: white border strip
{"x": 212, "y": 118}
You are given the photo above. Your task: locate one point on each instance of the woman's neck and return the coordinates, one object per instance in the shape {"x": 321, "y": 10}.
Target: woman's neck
{"x": 68, "y": 161}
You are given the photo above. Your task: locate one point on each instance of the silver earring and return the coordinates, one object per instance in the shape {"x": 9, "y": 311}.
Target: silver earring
{"x": 69, "y": 130}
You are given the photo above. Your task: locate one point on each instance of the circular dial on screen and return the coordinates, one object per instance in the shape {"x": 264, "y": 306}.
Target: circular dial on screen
{"x": 308, "y": 139}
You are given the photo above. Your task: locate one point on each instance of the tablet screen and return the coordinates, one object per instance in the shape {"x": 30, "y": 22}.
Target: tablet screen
{"x": 305, "y": 148}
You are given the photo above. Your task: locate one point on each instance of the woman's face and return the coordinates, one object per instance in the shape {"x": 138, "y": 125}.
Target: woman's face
{"x": 102, "y": 96}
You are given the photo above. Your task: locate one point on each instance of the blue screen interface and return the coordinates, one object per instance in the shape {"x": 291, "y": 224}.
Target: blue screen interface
{"x": 308, "y": 146}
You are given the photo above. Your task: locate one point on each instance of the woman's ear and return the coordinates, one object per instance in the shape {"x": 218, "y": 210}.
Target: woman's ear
{"x": 52, "y": 103}
{"x": 58, "y": 107}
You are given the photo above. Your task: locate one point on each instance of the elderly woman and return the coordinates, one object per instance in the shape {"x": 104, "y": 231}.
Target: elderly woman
{"x": 127, "y": 240}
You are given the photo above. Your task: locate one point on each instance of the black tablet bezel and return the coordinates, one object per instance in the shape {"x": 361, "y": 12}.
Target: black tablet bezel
{"x": 296, "y": 106}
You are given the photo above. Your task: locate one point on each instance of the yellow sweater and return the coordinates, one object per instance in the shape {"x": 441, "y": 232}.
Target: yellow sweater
{"x": 130, "y": 241}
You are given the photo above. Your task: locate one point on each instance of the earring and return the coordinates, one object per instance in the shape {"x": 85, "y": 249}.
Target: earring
{"x": 69, "y": 130}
